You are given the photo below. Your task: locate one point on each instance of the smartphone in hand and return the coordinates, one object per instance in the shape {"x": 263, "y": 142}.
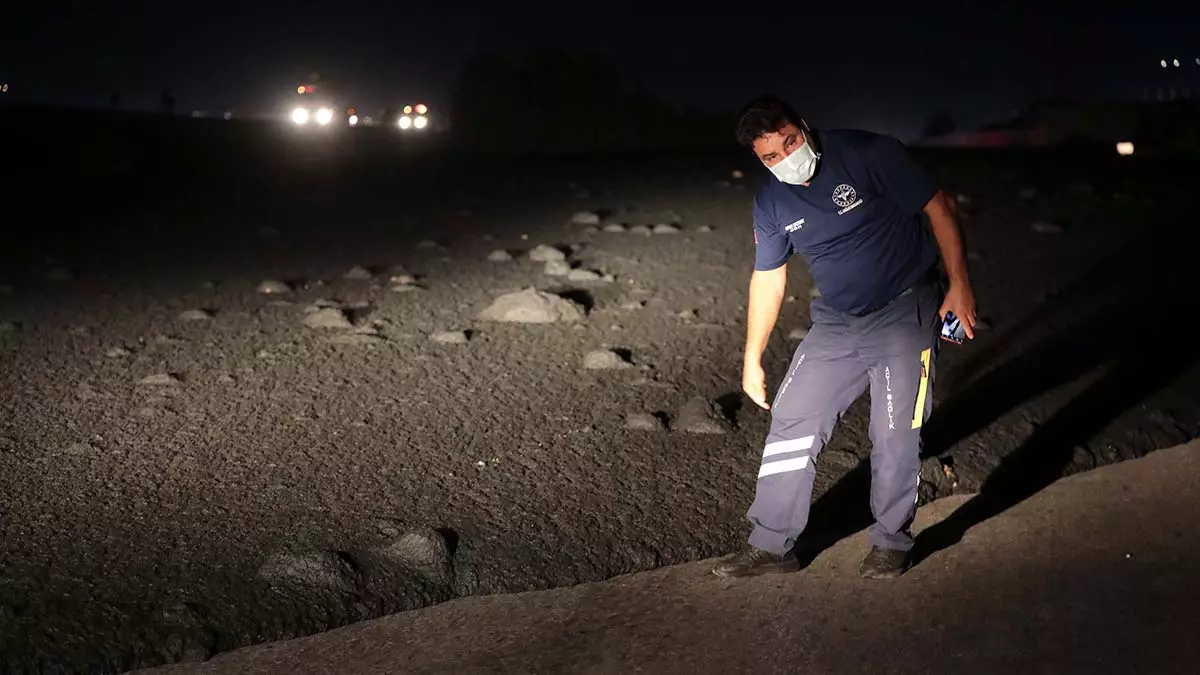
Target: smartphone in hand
{"x": 953, "y": 329}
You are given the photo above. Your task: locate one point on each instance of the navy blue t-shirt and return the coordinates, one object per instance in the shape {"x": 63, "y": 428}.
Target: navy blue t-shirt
{"x": 858, "y": 222}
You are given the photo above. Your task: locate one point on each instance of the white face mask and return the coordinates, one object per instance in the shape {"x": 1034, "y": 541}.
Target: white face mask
{"x": 798, "y": 167}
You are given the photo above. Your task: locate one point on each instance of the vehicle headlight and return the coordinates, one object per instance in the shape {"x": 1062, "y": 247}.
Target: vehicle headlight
{"x": 300, "y": 116}
{"x": 405, "y": 122}
{"x": 354, "y": 120}
{"x": 324, "y": 116}
{"x": 421, "y": 122}
{"x": 1125, "y": 148}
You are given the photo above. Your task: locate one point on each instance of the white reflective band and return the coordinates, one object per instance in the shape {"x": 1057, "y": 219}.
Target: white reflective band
{"x": 783, "y": 466}
{"x": 788, "y": 446}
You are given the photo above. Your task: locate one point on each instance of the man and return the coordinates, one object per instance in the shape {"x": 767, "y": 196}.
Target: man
{"x": 850, "y": 203}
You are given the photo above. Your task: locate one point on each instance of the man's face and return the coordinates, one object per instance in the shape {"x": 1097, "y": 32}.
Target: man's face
{"x": 773, "y": 146}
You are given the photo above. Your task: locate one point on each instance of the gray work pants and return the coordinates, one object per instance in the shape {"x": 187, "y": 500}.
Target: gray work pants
{"x": 891, "y": 350}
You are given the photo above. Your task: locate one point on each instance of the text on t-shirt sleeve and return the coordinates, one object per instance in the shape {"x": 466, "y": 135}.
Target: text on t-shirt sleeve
{"x": 772, "y": 247}
{"x": 899, "y": 175}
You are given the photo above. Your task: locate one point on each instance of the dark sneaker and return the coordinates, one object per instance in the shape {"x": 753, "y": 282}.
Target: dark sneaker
{"x": 884, "y": 563}
{"x": 755, "y": 561}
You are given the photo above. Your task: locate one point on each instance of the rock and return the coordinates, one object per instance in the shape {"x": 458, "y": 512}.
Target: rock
{"x": 700, "y": 416}
{"x": 317, "y": 569}
{"x": 59, "y": 274}
{"x": 591, "y": 229}
{"x": 614, "y": 227}
{"x": 426, "y": 552}
{"x": 226, "y": 378}
{"x": 557, "y": 268}
{"x": 586, "y": 218}
{"x": 1043, "y": 227}
{"x": 641, "y": 229}
{"x": 159, "y": 380}
{"x": 500, "y": 255}
{"x": 798, "y": 333}
{"x": 532, "y": 306}
{"x": 195, "y": 315}
{"x": 405, "y": 288}
{"x": 428, "y": 245}
{"x": 583, "y": 275}
{"x": 605, "y": 359}
{"x": 358, "y": 339}
{"x": 544, "y": 253}
{"x": 450, "y": 337}
{"x": 358, "y": 273}
{"x": 321, "y": 303}
{"x": 664, "y": 228}
{"x": 117, "y": 353}
{"x": 632, "y": 305}
{"x": 328, "y": 317}
{"x": 272, "y": 286}
{"x": 402, "y": 278}
{"x": 704, "y": 228}
{"x": 643, "y": 422}
{"x": 687, "y": 314}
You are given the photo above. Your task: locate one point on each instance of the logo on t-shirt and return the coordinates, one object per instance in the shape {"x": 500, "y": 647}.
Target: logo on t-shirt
{"x": 794, "y": 226}
{"x": 846, "y": 197}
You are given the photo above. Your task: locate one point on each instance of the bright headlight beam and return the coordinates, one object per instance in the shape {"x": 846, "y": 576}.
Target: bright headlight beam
{"x": 421, "y": 122}
{"x": 300, "y": 116}
{"x": 324, "y": 116}
{"x": 405, "y": 122}
{"x": 354, "y": 120}
{"x": 1125, "y": 148}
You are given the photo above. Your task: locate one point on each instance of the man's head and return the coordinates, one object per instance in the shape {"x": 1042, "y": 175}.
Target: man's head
{"x": 771, "y": 129}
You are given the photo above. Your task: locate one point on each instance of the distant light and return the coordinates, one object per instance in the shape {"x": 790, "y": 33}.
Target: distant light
{"x": 405, "y": 122}
{"x": 300, "y": 89}
{"x": 1163, "y": 63}
{"x": 421, "y": 122}
{"x": 300, "y": 116}
{"x": 324, "y": 116}
{"x": 228, "y": 115}
{"x": 408, "y": 110}
{"x": 1125, "y": 148}
{"x": 354, "y": 120}
{"x": 4, "y": 87}
{"x": 1197, "y": 63}
{"x": 1175, "y": 62}
{"x": 421, "y": 109}
{"x": 308, "y": 89}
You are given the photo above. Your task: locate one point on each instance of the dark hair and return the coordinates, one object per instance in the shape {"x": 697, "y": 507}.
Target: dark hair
{"x": 763, "y": 115}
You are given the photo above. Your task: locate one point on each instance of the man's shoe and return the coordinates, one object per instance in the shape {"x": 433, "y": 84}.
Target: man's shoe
{"x": 884, "y": 563}
{"x": 755, "y": 561}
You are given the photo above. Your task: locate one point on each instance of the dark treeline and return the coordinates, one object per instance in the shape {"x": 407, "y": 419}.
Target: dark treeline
{"x": 548, "y": 100}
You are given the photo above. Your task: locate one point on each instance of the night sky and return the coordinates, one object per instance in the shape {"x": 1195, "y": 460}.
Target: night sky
{"x": 885, "y": 66}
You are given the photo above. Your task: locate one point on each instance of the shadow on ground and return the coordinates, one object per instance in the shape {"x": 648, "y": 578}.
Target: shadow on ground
{"x": 1124, "y": 317}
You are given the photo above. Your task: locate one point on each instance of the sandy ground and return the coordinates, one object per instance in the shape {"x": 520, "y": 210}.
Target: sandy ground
{"x": 273, "y": 479}
{"x": 1095, "y": 574}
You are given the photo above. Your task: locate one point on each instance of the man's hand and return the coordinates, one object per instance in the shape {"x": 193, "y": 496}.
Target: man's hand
{"x": 754, "y": 383}
{"x": 960, "y": 300}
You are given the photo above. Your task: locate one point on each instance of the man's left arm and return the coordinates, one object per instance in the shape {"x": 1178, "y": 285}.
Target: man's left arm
{"x": 915, "y": 191}
{"x": 960, "y": 299}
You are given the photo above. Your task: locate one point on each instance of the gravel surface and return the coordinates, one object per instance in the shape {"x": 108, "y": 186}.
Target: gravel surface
{"x": 211, "y": 437}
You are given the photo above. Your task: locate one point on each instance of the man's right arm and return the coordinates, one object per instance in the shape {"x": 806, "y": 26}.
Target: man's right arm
{"x": 766, "y": 296}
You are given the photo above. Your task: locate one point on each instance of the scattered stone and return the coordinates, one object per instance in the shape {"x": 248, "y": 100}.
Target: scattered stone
{"x": 318, "y": 569}
{"x": 798, "y": 333}
{"x": 272, "y": 286}
{"x": 500, "y": 255}
{"x": 322, "y": 303}
{"x": 117, "y": 353}
{"x": 532, "y": 306}
{"x": 544, "y": 253}
{"x": 632, "y": 305}
{"x": 584, "y": 275}
{"x": 586, "y": 218}
{"x": 665, "y": 228}
{"x": 226, "y": 378}
{"x": 451, "y": 337}
{"x": 614, "y": 227}
{"x": 643, "y": 422}
{"x": 195, "y": 315}
{"x": 687, "y": 314}
{"x": 358, "y": 273}
{"x": 605, "y": 359}
{"x": 405, "y": 288}
{"x": 557, "y": 268}
{"x": 700, "y": 416}
{"x": 704, "y": 228}
{"x": 427, "y": 245}
{"x": 356, "y": 339}
{"x": 426, "y": 552}
{"x": 641, "y": 229}
{"x": 59, "y": 274}
{"x": 328, "y": 317}
{"x": 1043, "y": 227}
{"x": 159, "y": 380}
